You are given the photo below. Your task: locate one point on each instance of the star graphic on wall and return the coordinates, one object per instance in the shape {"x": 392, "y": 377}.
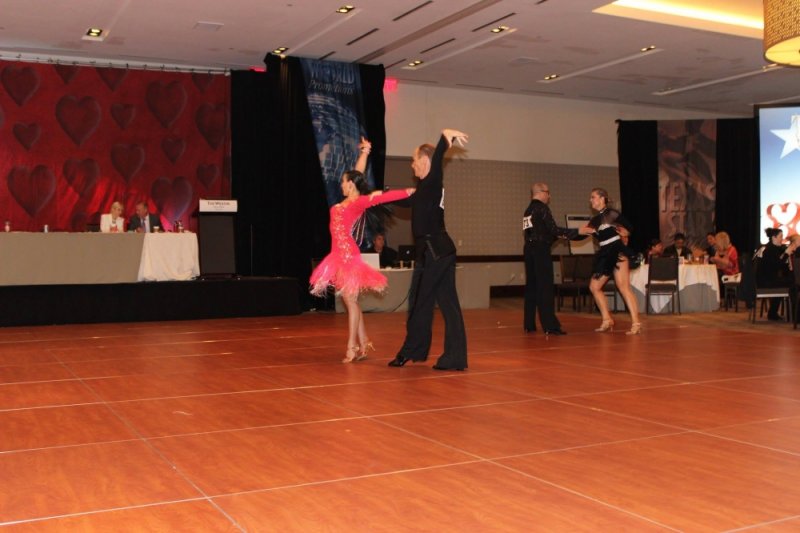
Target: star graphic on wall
{"x": 790, "y": 136}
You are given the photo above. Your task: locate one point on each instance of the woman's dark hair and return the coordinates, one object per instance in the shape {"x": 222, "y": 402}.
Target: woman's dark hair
{"x": 358, "y": 179}
{"x": 771, "y": 232}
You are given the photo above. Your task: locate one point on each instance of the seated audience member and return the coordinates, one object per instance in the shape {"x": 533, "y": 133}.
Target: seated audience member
{"x": 679, "y": 248}
{"x": 113, "y": 222}
{"x": 793, "y": 248}
{"x": 143, "y": 221}
{"x": 711, "y": 240}
{"x": 388, "y": 256}
{"x": 725, "y": 258}
{"x": 773, "y": 268}
{"x": 656, "y": 249}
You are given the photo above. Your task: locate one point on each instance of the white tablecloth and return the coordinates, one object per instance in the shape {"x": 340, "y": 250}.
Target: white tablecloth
{"x": 169, "y": 257}
{"x": 699, "y": 289}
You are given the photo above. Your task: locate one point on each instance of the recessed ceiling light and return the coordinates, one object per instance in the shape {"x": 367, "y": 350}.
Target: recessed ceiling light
{"x": 648, "y": 48}
{"x": 345, "y": 9}
{"x": 94, "y": 32}
{"x": 499, "y": 29}
{"x": 551, "y": 77}
{"x": 280, "y": 50}
{"x": 415, "y": 63}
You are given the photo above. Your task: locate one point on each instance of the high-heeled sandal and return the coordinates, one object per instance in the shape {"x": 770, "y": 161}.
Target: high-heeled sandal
{"x": 607, "y": 325}
{"x": 636, "y": 328}
{"x": 350, "y": 358}
{"x": 366, "y": 347}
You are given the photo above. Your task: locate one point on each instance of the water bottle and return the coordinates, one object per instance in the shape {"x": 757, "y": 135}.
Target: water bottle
{"x": 46, "y": 228}
{"x": 179, "y": 226}
{"x": 8, "y": 226}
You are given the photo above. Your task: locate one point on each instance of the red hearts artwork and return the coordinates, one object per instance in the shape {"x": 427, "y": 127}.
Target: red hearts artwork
{"x": 27, "y": 134}
{"x": 785, "y": 216}
{"x": 123, "y": 114}
{"x": 166, "y": 101}
{"x": 78, "y": 118}
{"x": 32, "y": 189}
{"x": 172, "y": 198}
{"x": 75, "y": 139}
{"x": 20, "y": 82}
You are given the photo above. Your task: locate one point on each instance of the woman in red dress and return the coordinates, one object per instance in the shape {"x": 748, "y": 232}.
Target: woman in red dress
{"x": 343, "y": 268}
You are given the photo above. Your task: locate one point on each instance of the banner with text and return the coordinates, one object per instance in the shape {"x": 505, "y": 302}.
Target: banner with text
{"x": 333, "y": 90}
{"x": 687, "y": 179}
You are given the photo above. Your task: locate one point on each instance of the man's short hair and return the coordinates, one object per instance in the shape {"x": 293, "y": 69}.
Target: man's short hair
{"x": 680, "y": 236}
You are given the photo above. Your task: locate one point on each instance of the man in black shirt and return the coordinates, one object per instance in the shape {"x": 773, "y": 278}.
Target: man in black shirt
{"x": 434, "y": 278}
{"x": 540, "y": 233}
{"x": 388, "y": 256}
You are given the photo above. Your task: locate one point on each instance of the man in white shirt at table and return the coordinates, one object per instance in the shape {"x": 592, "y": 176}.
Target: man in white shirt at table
{"x": 143, "y": 221}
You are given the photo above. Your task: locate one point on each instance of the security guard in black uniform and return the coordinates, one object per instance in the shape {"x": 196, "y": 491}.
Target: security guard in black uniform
{"x": 540, "y": 233}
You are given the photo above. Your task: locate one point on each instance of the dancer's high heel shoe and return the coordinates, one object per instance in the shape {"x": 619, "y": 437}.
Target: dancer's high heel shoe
{"x": 366, "y": 347}
{"x": 351, "y": 354}
{"x": 636, "y": 328}
{"x": 607, "y": 325}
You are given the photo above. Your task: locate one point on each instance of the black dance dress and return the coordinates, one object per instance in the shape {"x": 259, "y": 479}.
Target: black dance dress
{"x": 611, "y": 246}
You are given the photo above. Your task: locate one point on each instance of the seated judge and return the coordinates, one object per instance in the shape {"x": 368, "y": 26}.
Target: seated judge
{"x": 388, "y": 256}
{"x": 143, "y": 221}
{"x": 113, "y": 222}
{"x": 678, "y": 248}
{"x": 656, "y": 249}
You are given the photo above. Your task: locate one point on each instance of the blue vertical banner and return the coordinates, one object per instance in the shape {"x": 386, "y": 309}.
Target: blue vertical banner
{"x": 333, "y": 90}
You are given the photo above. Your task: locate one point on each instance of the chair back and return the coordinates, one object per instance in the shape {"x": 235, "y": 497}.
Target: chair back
{"x": 663, "y": 269}
{"x": 583, "y": 268}
{"x": 568, "y": 263}
{"x": 796, "y": 270}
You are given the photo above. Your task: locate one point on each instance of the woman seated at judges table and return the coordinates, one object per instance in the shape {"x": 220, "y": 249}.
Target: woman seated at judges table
{"x": 725, "y": 257}
{"x": 773, "y": 268}
{"x": 113, "y": 222}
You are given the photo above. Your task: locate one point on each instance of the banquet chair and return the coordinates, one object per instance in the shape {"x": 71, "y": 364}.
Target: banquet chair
{"x": 765, "y": 293}
{"x": 662, "y": 278}
{"x": 571, "y": 284}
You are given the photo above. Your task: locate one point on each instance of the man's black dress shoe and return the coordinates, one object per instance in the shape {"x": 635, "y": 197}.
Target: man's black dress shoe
{"x": 437, "y": 367}
{"x": 399, "y": 360}
{"x": 554, "y": 332}
{"x": 530, "y": 330}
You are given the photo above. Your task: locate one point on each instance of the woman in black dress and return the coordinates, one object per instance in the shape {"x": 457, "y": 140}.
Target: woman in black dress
{"x": 773, "y": 268}
{"x": 613, "y": 259}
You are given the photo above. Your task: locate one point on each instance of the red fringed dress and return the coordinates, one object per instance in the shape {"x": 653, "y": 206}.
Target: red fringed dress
{"x": 343, "y": 268}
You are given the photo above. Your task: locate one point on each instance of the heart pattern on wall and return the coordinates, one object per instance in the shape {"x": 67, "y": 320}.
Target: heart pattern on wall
{"x": 172, "y": 198}
{"x": 20, "y": 82}
{"x": 112, "y": 77}
{"x": 785, "y": 215}
{"x": 32, "y": 189}
{"x": 173, "y": 147}
{"x": 212, "y": 123}
{"x": 123, "y": 114}
{"x": 127, "y": 159}
{"x": 27, "y": 134}
{"x": 78, "y": 118}
{"x": 82, "y": 175}
{"x": 207, "y": 175}
{"x": 66, "y": 72}
{"x": 166, "y": 101}
{"x": 74, "y": 139}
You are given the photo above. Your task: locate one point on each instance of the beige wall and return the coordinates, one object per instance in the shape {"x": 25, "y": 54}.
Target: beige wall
{"x": 514, "y": 141}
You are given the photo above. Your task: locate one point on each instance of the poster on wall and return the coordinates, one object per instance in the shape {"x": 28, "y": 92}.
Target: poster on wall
{"x": 779, "y": 139}
{"x": 687, "y": 179}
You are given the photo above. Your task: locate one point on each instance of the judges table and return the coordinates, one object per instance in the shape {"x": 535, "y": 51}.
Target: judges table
{"x": 95, "y": 258}
{"x": 699, "y": 289}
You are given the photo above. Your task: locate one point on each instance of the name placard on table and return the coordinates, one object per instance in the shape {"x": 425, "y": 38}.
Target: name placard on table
{"x": 218, "y": 206}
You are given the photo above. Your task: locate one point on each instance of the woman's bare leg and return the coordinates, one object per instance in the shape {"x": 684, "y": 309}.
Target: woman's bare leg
{"x": 354, "y": 316}
{"x": 596, "y": 288}
{"x": 622, "y": 277}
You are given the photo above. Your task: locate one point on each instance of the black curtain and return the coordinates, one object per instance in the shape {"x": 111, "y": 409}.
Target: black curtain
{"x": 738, "y": 182}
{"x": 283, "y": 213}
{"x": 637, "y": 149}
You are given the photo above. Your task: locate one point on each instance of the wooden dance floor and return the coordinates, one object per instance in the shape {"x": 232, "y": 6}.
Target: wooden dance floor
{"x": 252, "y": 424}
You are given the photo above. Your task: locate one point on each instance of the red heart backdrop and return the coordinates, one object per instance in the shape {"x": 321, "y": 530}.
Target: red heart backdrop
{"x": 75, "y": 139}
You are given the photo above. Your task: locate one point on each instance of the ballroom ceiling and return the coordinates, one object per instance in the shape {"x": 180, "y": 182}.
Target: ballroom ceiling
{"x": 594, "y": 48}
